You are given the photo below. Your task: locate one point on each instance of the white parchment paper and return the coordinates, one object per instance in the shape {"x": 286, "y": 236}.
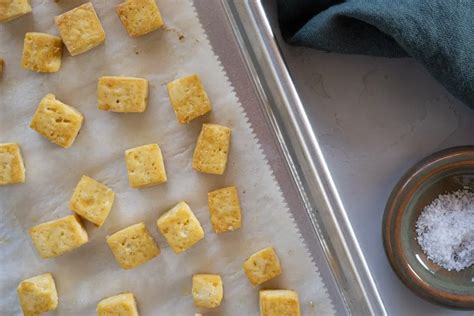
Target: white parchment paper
{"x": 90, "y": 273}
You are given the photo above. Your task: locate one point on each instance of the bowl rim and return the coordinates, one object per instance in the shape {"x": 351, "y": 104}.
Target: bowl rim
{"x": 394, "y": 211}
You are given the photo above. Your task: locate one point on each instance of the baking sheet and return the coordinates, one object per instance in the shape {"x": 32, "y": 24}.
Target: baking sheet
{"x": 90, "y": 273}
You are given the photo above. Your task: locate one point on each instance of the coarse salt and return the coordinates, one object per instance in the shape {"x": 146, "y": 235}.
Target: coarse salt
{"x": 445, "y": 230}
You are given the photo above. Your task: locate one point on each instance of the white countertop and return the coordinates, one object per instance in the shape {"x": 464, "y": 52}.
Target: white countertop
{"x": 375, "y": 118}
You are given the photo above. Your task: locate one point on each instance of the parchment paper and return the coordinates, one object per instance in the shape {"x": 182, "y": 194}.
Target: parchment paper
{"x": 90, "y": 273}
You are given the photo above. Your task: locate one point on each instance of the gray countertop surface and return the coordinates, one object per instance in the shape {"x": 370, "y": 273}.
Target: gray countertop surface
{"x": 375, "y": 118}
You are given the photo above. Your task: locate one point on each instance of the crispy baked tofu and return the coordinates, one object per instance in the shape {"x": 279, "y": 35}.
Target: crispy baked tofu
{"x": 58, "y": 122}
{"x": 80, "y": 29}
{"x": 279, "y": 302}
{"x": 118, "y": 305}
{"x": 224, "y": 207}
{"x": 59, "y": 236}
{"x": 145, "y": 166}
{"x": 12, "y": 9}
{"x": 12, "y": 168}
{"x": 42, "y": 52}
{"x": 92, "y": 200}
{"x": 37, "y": 295}
{"x": 207, "y": 290}
{"x": 122, "y": 94}
{"x": 139, "y": 17}
{"x": 262, "y": 266}
{"x": 212, "y": 149}
{"x": 188, "y": 98}
{"x": 133, "y": 246}
{"x": 180, "y": 227}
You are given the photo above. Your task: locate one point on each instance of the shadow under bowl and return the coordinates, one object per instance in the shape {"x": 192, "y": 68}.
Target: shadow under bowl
{"x": 443, "y": 172}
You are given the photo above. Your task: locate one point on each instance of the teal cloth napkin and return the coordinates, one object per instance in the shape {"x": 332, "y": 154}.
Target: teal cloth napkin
{"x": 438, "y": 33}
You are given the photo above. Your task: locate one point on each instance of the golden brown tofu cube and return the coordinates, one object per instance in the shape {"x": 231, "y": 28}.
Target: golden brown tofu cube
{"x": 38, "y": 294}
{"x": 212, "y": 149}
{"x": 57, "y": 237}
{"x": 279, "y": 302}
{"x": 58, "y": 122}
{"x": 122, "y": 94}
{"x": 188, "y": 98}
{"x": 119, "y": 305}
{"x": 12, "y": 9}
{"x": 92, "y": 200}
{"x": 42, "y": 52}
{"x": 12, "y": 169}
{"x": 262, "y": 266}
{"x": 139, "y": 16}
{"x": 224, "y": 207}
{"x": 133, "y": 246}
{"x": 145, "y": 166}
{"x": 80, "y": 29}
{"x": 180, "y": 227}
{"x": 207, "y": 290}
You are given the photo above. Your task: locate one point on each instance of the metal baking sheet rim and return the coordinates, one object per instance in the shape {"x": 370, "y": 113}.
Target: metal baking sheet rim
{"x": 303, "y": 156}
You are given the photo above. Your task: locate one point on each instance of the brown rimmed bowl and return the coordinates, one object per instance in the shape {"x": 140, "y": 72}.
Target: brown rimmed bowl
{"x": 445, "y": 171}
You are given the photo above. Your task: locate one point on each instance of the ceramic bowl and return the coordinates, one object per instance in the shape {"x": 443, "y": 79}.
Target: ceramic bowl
{"x": 442, "y": 172}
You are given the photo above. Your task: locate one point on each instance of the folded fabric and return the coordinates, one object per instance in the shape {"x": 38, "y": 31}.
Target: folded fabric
{"x": 438, "y": 33}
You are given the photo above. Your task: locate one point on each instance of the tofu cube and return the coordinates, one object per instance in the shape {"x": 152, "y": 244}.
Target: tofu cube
{"x": 12, "y": 169}
{"x": 139, "y": 16}
{"x": 42, "y": 52}
{"x": 224, "y": 207}
{"x": 212, "y": 149}
{"x": 145, "y": 166}
{"x": 92, "y": 200}
{"x": 12, "y": 9}
{"x": 57, "y": 237}
{"x": 207, "y": 290}
{"x": 262, "y": 266}
{"x": 2, "y": 63}
{"x": 80, "y": 29}
{"x": 122, "y": 94}
{"x": 38, "y": 294}
{"x": 119, "y": 305}
{"x": 188, "y": 98}
{"x": 133, "y": 246}
{"x": 180, "y": 227}
{"x": 58, "y": 122}
{"x": 279, "y": 302}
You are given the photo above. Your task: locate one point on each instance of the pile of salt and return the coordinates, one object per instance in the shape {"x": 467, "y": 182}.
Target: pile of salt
{"x": 445, "y": 230}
